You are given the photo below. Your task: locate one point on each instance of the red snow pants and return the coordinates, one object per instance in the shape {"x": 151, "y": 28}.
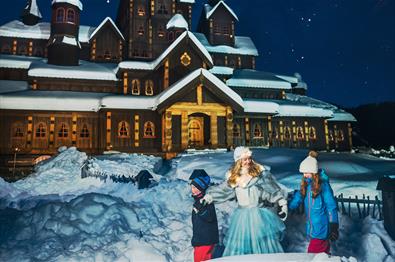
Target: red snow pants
{"x": 202, "y": 253}
{"x": 318, "y": 246}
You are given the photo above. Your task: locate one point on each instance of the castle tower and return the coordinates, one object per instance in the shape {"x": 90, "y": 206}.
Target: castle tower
{"x": 31, "y": 15}
{"x": 64, "y": 46}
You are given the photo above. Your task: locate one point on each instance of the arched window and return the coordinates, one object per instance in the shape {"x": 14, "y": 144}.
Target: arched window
{"x": 59, "y": 15}
{"x": 257, "y": 131}
{"x": 300, "y": 133}
{"x": 135, "y": 87}
{"x": 140, "y": 11}
{"x": 149, "y": 87}
{"x": 312, "y": 133}
{"x": 41, "y": 130}
{"x": 84, "y": 131}
{"x": 6, "y": 48}
{"x": 149, "y": 130}
{"x": 22, "y": 50}
{"x": 63, "y": 131}
{"x": 275, "y": 133}
{"x": 287, "y": 133}
{"x": 123, "y": 129}
{"x": 140, "y": 31}
{"x": 17, "y": 130}
{"x": 340, "y": 136}
{"x": 70, "y": 16}
{"x": 38, "y": 51}
{"x": 331, "y": 136}
{"x": 236, "y": 130}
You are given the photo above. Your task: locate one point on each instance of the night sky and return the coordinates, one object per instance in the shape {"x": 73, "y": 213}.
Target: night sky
{"x": 344, "y": 49}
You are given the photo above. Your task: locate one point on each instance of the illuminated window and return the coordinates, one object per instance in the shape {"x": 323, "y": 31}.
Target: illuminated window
{"x": 236, "y": 130}
{"x": 17, "y": 130}
{"x": 59, "y": 15}
{"x": 149, "y": 130}
{"x": 63, "y": 131}
{"x": 331, "y": 136}
{"x": 161, "y": 31}
{"x": 140, "y": 31}
{"x": 287, "y": 133}
{"x": 312, "y": 133}
{"x": 41, "y": 130}
{"x": 300, "y": 134}
{"x": 84, "y": 131}
{"x": 340, "y": 135}
{"x": 70, "y": 16}
{"x": 135, "y": 87}
{"x": 123, "y": 129}
{"x": 257, "y": 131}
{"x": 140, "y": 11}
{"x": 149, "y": 87}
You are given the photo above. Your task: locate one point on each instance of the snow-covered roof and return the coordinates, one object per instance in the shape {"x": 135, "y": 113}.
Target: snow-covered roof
{"x": 7, "y": 86}
{"x": 33, "y": 9}
{"x": 260, "y": 106}
{"x": 72, "y": 101}
{"x": 211, "y": 10}
{"x": 186, "y": 1}
{"x": 221, "y": 70}
{"x": 51, "y": 100}
{"x": 69, "y": 40}
{"x": 257, "y": 79}
{"x": 18, "y": 29}
{"x": 297, "y": 81}
{"x": 107, "y": 19}
{"x": 138, "y": 65}
{"x": 290, "y": 110}
{"x": 77, "y": 3}
{"x": 243, "y": 46}
{"x": 86, "y": 70}
{"x": 177, "y": 21}
{"x": 128, "y": 102}
{"x": 17, "y": 62}
{"x": 342, "y": 116}
{"x": 176, "y": 87}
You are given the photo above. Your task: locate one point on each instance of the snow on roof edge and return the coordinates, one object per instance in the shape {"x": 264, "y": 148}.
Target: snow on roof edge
{"x": 226, "y": 6}
{"x": 102, "y": 24}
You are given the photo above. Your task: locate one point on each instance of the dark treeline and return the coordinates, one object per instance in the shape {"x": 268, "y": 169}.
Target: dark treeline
{"x": 376, "y": 125}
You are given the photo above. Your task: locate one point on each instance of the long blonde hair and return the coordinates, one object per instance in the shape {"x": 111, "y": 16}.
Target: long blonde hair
{"x": 234, "y": 171}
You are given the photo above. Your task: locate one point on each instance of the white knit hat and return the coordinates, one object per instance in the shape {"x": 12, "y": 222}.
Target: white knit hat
{"x": 309, "y": 165}
{"x": 241, "y": 152}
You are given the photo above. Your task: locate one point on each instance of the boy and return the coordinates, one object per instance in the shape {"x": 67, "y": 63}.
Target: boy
{"x": 204, "y": 218}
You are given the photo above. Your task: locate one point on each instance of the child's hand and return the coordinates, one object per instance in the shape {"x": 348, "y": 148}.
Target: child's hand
{"x": 206, "y": 200}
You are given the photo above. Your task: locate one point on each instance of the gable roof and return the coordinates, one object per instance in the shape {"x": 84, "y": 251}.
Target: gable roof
{"x": 211, "y": 10}
{"x": 205, "y": 76}
{"x": 177, "y": 21}
{"x": 139, "y": 65}
{"x": 106, "y": 20}
{"x": 257, "y": 79}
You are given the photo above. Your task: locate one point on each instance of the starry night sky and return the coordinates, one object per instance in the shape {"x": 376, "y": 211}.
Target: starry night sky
{"x": 344, "y": 49}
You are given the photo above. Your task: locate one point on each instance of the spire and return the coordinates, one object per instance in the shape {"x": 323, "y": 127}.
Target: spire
{"x": 31, "y": 14}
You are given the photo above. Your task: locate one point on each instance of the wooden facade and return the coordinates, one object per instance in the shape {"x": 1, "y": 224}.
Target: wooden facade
{"x": 202, "y": 113}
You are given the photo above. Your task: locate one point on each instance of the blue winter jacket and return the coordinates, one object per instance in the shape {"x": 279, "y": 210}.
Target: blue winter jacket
{"x": 320, "y": 211}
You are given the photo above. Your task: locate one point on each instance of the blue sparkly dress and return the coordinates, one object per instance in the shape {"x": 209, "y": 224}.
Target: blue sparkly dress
{"x": 253, "y": 228}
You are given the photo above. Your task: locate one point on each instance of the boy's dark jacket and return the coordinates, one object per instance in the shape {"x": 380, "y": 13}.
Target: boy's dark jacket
{"x": 204, "y": 224}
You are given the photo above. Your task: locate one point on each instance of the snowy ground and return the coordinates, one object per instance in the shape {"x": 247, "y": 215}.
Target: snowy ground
{"x": 54, "y": 215}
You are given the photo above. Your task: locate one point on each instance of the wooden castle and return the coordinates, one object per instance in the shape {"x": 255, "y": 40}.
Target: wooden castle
{"x": 146, "y": 83}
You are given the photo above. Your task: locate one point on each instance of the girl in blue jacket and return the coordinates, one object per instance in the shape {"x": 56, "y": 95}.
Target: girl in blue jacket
{"x": 320, "y": 205}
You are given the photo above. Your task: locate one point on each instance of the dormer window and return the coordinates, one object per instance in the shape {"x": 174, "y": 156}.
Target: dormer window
{"x": 59, "y": 15}
{"x": 70, "y": 16}
{"x": 141, "y": 11}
